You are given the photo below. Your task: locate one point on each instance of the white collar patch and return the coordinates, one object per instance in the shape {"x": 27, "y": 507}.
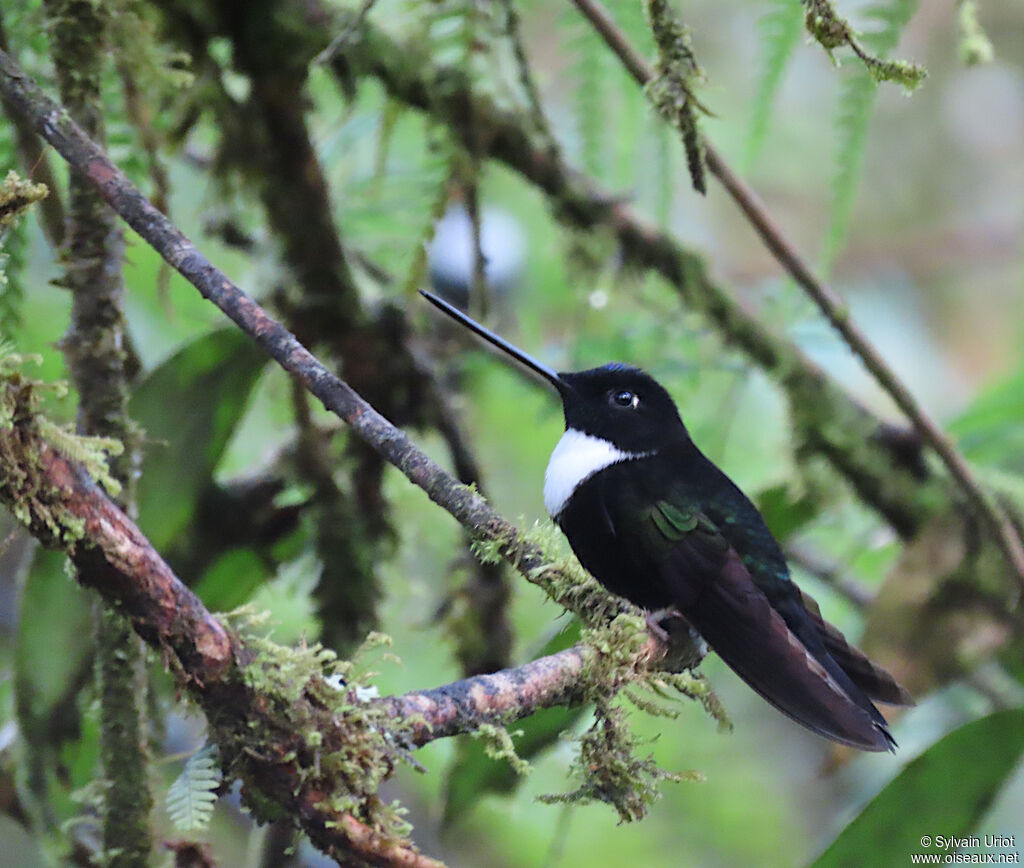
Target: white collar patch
{"x": 576, "y": 458}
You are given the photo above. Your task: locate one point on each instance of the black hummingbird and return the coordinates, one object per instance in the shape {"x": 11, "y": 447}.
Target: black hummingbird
{"x": 655, "y": 521}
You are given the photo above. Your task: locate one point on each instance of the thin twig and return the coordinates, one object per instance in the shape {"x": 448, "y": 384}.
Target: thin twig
{"x": 830, "y": 304}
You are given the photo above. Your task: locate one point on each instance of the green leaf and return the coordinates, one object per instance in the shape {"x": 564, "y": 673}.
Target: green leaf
{"x": 52, "y": 605}
{"x": 856, "y": 103}
{"x": 474, "y": 773}
{"x": 991, "y": 431}
{"x": 946, "y": 791}
{"x": 232, "y": 579}
{"x": 783, "y": 512}
{"x": 189, "y": 407}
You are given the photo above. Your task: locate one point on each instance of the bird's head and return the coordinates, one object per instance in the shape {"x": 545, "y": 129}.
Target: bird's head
{"x": 618, "y": 403}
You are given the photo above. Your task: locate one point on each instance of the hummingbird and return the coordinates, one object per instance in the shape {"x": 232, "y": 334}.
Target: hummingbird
{"x": 657, "y": 522}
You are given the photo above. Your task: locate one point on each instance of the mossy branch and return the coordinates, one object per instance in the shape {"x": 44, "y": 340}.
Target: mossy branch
{"x": 18, "y": 195}
{"x": 832, "y": 31}
{"x": 292, "y": 724}
{"x": 274, "y": 753}
{"x": 94, "y": 352}
{"x": 671, "y": 89}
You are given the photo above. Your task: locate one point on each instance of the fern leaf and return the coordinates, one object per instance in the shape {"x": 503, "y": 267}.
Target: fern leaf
{"x": 893, "y": 16}
{"x": 191, "y": 797}
{"x": 780, "y": 27}
{"x": 13, "y": 244}
{"x": 856, "y": 102}
{"x": 589, "y": 72}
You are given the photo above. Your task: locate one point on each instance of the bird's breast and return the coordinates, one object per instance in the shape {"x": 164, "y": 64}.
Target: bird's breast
{"x": 576, "y": 458}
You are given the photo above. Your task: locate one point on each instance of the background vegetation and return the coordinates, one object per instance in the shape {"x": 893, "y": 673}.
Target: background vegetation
{"x": 308, "y": 150}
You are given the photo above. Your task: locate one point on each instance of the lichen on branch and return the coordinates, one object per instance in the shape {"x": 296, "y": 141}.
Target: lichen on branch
{"x": 671, "y": 89}
{"x": 30, "y": 495}
{"x": 831, "y": 31}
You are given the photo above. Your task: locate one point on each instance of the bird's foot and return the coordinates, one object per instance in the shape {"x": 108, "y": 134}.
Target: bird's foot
{"x": 655, "y": 619}
{"x": 686, "y": 647}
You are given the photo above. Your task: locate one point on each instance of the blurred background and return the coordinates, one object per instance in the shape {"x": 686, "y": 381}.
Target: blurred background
{"x": 912, "y": 204}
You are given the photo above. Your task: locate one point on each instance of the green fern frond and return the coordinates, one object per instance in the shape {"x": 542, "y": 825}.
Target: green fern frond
{"x": 591, "y": 92}
{"x": 780, "y": 28}
{"x": 856, "y": 101}
{"x": 13, "y": 244}
{"x": 893, "y": 16}
{"x": 632, "y": 19}
{"x": 192, "y": 796}
{"x": 663, "y": 175}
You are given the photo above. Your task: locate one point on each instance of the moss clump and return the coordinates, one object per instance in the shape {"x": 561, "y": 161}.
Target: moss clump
{"x": 539, "y": 554}
{"x": 611, "y": 771}
{"x": 618, "y": 638}
{"x": 498, "y": 745}
{"x": 671, "y": 89}
{"x": 23, "y": 430}
{"x": 831, "y": 32}
{"x": 311, "y": 717}
{"x": 17, "y": 195}
{"x": 975, "y": 46}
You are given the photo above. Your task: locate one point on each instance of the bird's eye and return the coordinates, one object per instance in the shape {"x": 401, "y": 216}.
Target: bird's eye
{"x": 625, "y": 398}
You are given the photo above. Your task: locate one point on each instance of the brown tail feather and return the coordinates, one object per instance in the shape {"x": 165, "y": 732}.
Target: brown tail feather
{"x": 740, "y": 624}
{"x": 875, "y": 681}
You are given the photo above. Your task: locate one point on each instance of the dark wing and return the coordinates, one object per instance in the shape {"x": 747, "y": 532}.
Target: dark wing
{"x": 714, "y": 590}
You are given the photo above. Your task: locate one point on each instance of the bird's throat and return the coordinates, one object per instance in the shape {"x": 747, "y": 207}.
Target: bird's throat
{"x": 576, "y": 458}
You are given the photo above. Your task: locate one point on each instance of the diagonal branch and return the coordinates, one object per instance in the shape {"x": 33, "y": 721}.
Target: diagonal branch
{"x": 585, "y": 598}
{"x": 830, "y": 304}
{"x": 827, "y": 420}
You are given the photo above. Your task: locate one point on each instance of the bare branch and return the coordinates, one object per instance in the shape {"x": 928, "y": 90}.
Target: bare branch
{"x": 831, "y": 305}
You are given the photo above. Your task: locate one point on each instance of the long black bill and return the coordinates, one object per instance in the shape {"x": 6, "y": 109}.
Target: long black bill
{"x": 547, "y": 373}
